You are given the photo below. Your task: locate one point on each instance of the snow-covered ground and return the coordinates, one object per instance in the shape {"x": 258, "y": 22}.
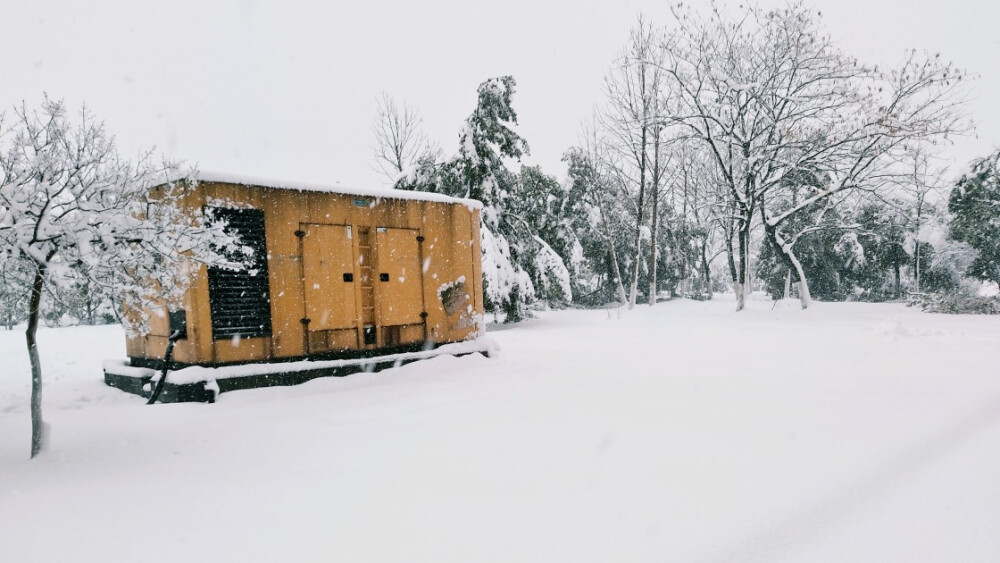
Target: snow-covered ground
{"x": 684, "y": 432}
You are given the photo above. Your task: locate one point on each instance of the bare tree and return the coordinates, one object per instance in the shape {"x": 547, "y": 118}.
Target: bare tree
{"x": 703, "y": 205}
{"x": 632, "y": 90}
{"x": 72, "y": 209}
{"x": 399, "y": 139}
{"x": 767, "y": 94}
{"x": 924, "y": 189}
{"x": 661, "y": 162}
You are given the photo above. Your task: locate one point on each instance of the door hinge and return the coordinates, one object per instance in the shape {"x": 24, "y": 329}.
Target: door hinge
{"x": 305, "y": 320}
{"x": 300, "y": 234}
{"x": 420, "y": 238}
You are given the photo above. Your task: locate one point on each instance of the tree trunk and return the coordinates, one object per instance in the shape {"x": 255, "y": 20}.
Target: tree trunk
{"x": 634, "y": 284}
{"x": 743, "y": 266}
{"x": 619, "y": 286}
{"x": 652, "y": 258}
{"x": 654, "y": 219}
{"x": 687, "y": 271}
{"x": 731, "y": 260}
{"x": 895, "y": 267}
{"x": 805, "y": 298}
{"x": 705, "y": 270}
{"x": 612, "y": 253}
{"x": 38, "y": 433}
{"x": 788, "y": 284}
{"x": 916, "y": 242}
{"x": 91, "y": 308}
{"x": 634, "y": 290}
{"x": 787, "y": 255}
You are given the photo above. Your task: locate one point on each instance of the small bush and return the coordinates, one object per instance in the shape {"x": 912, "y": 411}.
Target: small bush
{"x": 956, "y": 303}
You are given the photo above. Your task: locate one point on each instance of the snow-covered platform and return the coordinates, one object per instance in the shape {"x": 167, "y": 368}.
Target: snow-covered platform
{"x": 203, "y": 384}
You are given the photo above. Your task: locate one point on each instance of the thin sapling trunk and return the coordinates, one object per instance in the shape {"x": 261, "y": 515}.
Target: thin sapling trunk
{"x": 39, "y": 435}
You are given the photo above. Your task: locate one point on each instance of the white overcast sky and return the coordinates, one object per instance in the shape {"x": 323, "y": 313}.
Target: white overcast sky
{"x": 286, "y": 90}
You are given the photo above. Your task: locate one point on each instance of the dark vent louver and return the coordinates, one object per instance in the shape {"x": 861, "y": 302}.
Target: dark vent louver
{"x": 241, "y": 301}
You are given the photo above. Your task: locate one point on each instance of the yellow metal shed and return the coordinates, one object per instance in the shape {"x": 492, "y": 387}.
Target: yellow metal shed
{"x": 339, "y": 273}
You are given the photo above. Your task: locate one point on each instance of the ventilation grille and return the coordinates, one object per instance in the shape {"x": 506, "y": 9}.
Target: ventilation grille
{"x": 241, "y": 301}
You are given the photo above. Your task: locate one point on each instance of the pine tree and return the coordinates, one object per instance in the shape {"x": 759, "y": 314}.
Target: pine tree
{"x": 975, "y": 206}
{"x": 487, "y": 142}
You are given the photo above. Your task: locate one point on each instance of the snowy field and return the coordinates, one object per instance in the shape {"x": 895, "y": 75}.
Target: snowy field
{"x": 684, "y": 432}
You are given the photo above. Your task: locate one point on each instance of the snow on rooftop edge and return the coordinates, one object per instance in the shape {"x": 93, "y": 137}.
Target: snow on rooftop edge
{"x": 335, "y": 188}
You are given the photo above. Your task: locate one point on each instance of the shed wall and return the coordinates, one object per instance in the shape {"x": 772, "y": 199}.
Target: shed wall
{"x": 448, "y": 253}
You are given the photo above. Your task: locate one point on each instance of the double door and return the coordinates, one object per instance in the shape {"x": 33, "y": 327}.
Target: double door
{"x": 361, "y": 278}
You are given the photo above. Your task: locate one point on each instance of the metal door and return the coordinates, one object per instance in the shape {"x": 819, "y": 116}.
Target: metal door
{"x": 328, "y": 267}
{"x": 400, "y": 278}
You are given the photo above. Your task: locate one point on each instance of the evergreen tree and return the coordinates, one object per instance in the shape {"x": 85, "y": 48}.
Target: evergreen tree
{"x": 882, "y": 235}
{"x": 677, "y": 250}
{"x": 515, "y": 259}
{"x": 602, "y": 227}
{"x": 545, "y": 209}
{"x": 975, "y": 206}
{"x": 829, "y": 258}
{"x": 938, "y": 276}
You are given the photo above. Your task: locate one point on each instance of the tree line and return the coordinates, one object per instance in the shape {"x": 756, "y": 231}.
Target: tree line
{"x": 731, "y": 150}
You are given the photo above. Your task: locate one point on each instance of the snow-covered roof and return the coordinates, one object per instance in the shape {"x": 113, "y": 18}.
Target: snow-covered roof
{"x": 335, "y": 188}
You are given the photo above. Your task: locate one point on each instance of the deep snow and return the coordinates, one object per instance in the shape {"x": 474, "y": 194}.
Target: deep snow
{"x": 683, "y": 432}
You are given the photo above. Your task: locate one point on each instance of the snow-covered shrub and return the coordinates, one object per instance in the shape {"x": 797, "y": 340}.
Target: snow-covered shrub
{"x": 957, "y": 303}
{"x": 553, "y": 281}
{"x": 507, "y": 287}
{"x": 974, "y": 204}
